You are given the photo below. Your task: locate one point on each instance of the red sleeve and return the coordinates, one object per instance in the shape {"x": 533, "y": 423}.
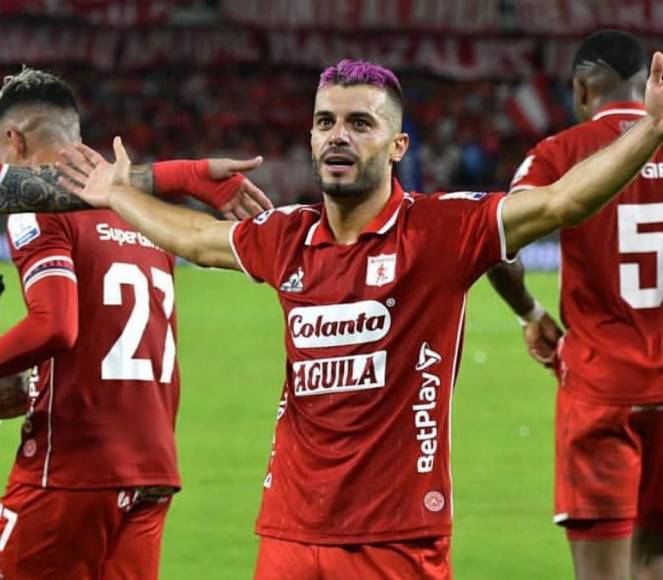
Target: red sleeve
{"x": 51, "y": 325}
{"x": 41, "y": 249}
{"x": 469, "y": 225}
{"x": 256, "y": 241}
{"x": 540, "y": 167}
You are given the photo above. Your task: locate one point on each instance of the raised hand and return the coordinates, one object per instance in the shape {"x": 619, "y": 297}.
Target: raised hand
{"x": 541, "y": 339}
{"x": 654, "y": 92}
{"x": 244, "y": 199}
{"x": 88, "y": 175}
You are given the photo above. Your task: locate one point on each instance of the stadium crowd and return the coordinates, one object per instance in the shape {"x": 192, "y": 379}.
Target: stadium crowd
{"x": 463, "y": 133}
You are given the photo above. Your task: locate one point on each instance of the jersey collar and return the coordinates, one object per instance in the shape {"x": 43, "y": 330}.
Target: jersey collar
{"x": 320, "y": 232}
{"x": 620, "y": 108}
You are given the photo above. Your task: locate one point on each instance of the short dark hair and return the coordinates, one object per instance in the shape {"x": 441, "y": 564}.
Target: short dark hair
{"x": 348, "y": 73}
{"x": 32, "y": 86}
{"x": 621, "y": 51}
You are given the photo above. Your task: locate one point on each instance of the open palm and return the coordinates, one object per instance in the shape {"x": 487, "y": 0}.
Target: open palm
{"x": 87, "y": 174}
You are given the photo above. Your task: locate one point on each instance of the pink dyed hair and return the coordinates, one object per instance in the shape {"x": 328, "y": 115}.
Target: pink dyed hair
{"x": 348, "y": 73}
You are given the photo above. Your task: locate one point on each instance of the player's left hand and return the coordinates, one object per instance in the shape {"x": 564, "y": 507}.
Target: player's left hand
{"x": 88, "y": 175}
{"x": 654, "y": 92}
{"x": 541, "y": 339}
{"x": 245, "y": 199}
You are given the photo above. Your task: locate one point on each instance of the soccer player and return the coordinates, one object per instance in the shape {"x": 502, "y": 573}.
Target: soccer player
{"x": 91, "y": 485}
{"x": 609, "y": 432}
{"x": 372, "y": 283}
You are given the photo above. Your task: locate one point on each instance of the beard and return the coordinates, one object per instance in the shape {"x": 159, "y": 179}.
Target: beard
{"x": 369, "y": 177}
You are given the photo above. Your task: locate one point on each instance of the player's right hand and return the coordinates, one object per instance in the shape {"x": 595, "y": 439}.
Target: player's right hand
{"x": 654, "y": 91}
{"x": 541, "y": 339}
{"x": 14, "y": 395}
{"x": 88, "y": 175}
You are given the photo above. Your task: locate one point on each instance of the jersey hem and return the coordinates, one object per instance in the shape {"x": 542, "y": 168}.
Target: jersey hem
{"x": 110, "y": 484}
{"x": 563, "y": 518}
{"x": 364, "y": 537}
{"x": 588, "y": 397}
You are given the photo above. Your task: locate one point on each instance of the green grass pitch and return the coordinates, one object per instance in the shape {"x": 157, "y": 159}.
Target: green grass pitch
{"x": 230, "y": 334}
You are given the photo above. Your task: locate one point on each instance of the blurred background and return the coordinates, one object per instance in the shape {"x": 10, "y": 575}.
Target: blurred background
{"x": 484, "y": 79}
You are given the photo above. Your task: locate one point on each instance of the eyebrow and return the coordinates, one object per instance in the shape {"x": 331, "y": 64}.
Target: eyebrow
{"x": 352, "y": 115}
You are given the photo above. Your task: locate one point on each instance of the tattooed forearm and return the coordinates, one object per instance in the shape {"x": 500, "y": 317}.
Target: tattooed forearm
{"x": 27, "y": 189}
{"x": 142, "y": 178}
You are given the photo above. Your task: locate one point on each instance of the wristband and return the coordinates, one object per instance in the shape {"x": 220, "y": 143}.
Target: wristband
{"x": 533, "y": 316}
{"x": 172, "y": 177}
{"x": 192, "y": 177}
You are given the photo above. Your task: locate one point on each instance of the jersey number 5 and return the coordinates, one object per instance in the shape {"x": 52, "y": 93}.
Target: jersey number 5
{"x": 632, "y": 241}
{"x": 120, "y": 362}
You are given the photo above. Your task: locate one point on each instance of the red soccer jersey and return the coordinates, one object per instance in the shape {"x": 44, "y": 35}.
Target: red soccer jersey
{"x": 373, "y": 340}
{"x": 104, "y": 413}
{"x": 612, "y": 268}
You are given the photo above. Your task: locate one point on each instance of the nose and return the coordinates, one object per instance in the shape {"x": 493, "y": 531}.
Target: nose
{"x": 338, "y": 135}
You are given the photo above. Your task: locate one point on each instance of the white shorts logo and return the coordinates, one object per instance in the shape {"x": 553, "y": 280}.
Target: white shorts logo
{"x": 340, "y": 374}
{"x": 381, "y": 269}
{"x": 338, "y": 324}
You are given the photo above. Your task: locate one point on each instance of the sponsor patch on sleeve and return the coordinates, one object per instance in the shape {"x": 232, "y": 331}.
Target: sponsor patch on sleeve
{"x": 23, "y": 228}
{"x": 470, "y": 195}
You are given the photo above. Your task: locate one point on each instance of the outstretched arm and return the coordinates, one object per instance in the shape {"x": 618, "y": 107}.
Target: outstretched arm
{"x": 196, "y": 236}
{"x": 533, "y": 213}
{"x": 36, "y": 189}
{"x": 28, "y": 189}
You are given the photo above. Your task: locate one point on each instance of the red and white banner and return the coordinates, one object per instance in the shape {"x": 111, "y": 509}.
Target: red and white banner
{"x": 115, "y": 13}
{"x": 449, "y": 16}
{"x": 460, "y": 57}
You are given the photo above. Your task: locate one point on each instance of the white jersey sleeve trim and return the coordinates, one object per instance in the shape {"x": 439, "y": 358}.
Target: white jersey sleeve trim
{"x": 50, "y": 274}
{"x": 523, "y": 186}
{"x": 56, "y": 265}
{"x": 231, "y": 240}
{"x": 500, "y": 228}
{"x": 38, "y": 263}
{"x": 3, "y": 171}
{"x": 637, "y": 112}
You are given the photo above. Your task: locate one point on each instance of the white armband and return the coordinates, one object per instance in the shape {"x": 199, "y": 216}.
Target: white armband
{"x": 533, "y": 316}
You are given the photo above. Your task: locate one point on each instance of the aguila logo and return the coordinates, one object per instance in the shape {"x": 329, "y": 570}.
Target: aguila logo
{"x": 338, "y": 324}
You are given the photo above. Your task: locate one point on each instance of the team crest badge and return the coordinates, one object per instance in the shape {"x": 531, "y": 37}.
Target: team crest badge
{"x": 381, "y": 269}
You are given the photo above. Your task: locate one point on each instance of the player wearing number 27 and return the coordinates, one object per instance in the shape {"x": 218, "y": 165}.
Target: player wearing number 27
{"x": 91, "y": 485}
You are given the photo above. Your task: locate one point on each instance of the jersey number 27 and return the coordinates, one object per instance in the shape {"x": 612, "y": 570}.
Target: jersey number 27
{"x": 120, "y": 363}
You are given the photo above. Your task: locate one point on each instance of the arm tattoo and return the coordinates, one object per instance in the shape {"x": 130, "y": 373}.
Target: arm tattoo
{"x": 26, "y": 189}
{"x": 142, "y": 178}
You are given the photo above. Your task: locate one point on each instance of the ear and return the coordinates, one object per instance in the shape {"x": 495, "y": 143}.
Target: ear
{"x": 17, "y": 142}
{"x": 399, "y": 147}
{"x": 581, "y": 90}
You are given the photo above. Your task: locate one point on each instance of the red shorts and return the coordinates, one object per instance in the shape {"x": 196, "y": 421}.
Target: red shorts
{"x": 79, "y": 534}
{"x": 609, "y": 461}
{"x": 425, "y": 559}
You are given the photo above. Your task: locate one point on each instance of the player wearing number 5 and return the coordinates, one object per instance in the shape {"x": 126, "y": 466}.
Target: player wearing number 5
{"x": 609, "y": 467}
{"x": 91, "y": 485}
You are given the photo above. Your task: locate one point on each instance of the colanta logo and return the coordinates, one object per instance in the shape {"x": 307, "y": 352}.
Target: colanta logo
{"x": 338, "y": 324}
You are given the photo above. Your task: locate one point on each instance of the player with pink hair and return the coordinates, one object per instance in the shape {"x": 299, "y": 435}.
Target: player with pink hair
{"x": 372, "y": 282}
